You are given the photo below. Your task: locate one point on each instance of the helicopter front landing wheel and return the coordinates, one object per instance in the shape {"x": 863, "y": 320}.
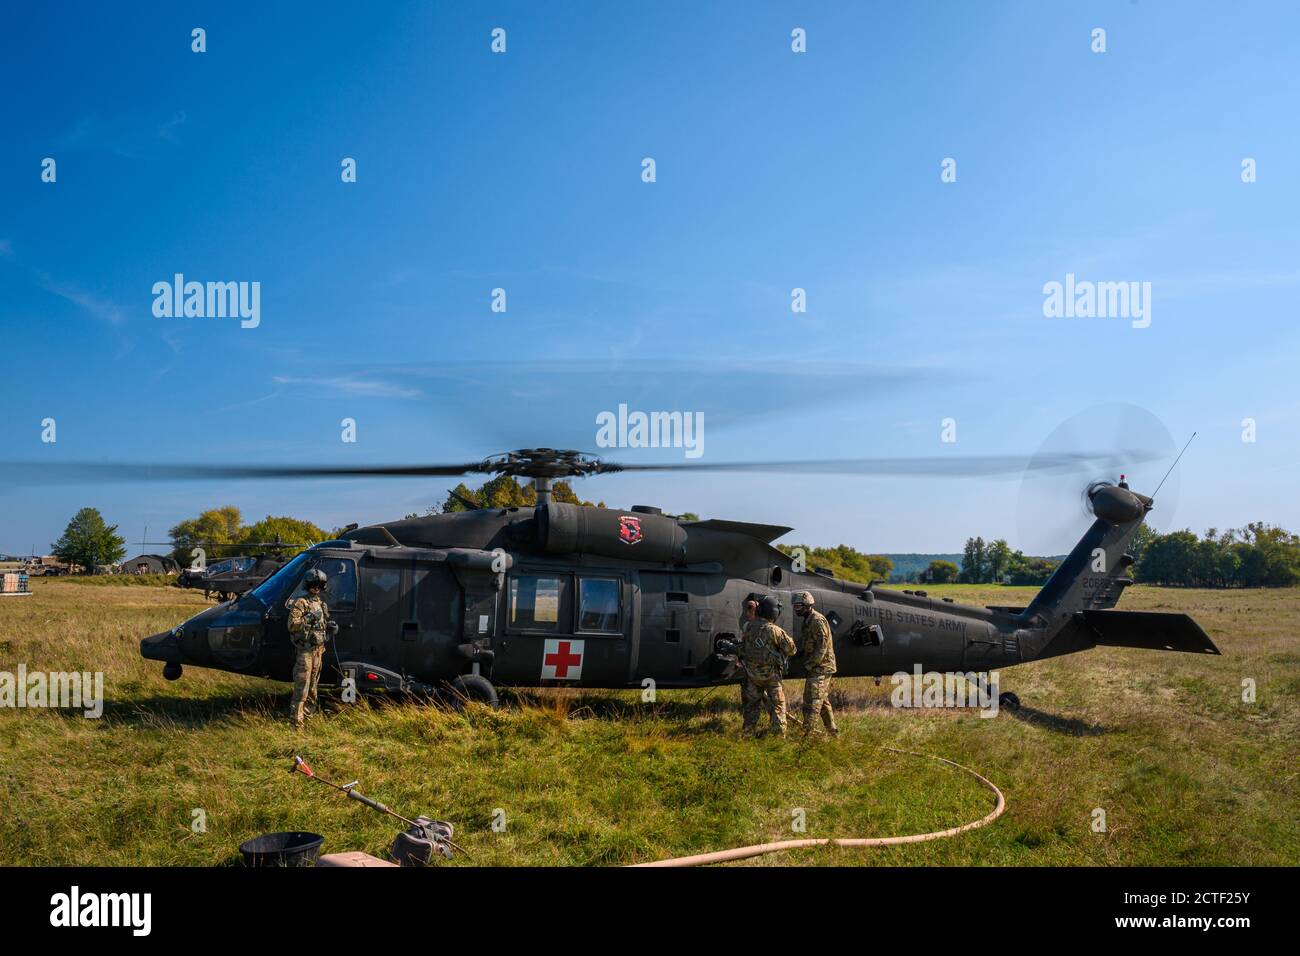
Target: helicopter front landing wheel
{"x": 1009, "y": 700}
{"x": 472, "y": 688}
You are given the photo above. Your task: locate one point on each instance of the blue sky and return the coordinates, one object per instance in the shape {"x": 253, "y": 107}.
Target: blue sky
{"x": 775, "y": 170}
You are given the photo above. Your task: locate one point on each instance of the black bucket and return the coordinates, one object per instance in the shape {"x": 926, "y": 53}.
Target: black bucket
{"x": 295, "y": 848}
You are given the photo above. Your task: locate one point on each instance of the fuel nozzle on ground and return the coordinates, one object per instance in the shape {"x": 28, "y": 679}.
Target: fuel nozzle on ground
{"x": 414, "y": 846}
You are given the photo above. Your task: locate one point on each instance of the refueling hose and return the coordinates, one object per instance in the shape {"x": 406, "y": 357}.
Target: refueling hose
{"x": 744, "y": 852}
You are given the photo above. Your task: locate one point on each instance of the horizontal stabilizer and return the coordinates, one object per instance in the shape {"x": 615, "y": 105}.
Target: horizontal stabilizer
{"x": 1149, "y": 630}
{"x": 767, "y": 533}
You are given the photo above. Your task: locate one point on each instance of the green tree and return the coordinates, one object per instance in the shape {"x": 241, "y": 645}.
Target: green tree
{"x": 284, "y": 528}
{"x": 1268, "y": 556}
{"x": 974, "y": 562}
{"x": 941, "y": 572}
{"x": 845, "y": 562}
{"x": 215, "y": 526}
{"x": 1170, "y": 559}
{"x": 220, "y": 532}
{"x": 1138, "y": 544}
{"x": 504, "y": 491}
{"x": 1258, "y": 555}
{"x": 1024, "y": 571}
{"x": 89, "y": 541}
{"x": 997, "y": 561}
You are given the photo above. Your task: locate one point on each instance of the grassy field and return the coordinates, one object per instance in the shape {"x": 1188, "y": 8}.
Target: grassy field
{"x": 1185, "y": 771}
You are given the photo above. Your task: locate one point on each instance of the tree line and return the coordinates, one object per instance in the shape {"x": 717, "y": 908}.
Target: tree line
{"x": 992, "y": 562}
{"x": 90, "y": 542}
{"x": 221, "y": 532}
{"x": 1256, "y": 556}
{"x": 846, "y": 563}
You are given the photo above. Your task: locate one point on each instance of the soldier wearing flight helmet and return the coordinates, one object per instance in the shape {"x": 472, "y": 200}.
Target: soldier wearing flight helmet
{"x": 818, "y": 646}
{"x": 309, "y": 624}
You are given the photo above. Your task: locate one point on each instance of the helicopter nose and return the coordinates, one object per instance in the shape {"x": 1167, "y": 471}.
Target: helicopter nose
{"x": 164, "y": 646}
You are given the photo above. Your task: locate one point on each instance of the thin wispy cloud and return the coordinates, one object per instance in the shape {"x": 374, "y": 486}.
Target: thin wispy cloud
{"x": 168, "y": 129}
{"x": 352, "y": 386}
{"x": 97, "y": 306}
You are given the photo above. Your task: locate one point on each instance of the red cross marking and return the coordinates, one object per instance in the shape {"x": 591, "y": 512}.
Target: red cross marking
{"x": 562, "y": 660}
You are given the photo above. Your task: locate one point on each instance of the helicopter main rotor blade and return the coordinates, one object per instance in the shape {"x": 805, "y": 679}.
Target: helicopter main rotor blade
{"x": 76, "y": 472}
{"x": 938, "y": 466}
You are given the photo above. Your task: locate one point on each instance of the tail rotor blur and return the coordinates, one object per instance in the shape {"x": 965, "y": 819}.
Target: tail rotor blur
{"x": 1053, "y": 510}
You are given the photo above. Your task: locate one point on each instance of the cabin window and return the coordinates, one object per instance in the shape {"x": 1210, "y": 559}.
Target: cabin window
{"x": 598, "y": 604}
{"x": 535, "y": 602}
{"x": 678, "y": 597}
{"x": 340, "y": 584}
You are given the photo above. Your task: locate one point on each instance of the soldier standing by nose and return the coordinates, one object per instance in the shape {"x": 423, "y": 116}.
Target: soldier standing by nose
{"x": 818, "y": 648}
{"x": 309, "y": 623}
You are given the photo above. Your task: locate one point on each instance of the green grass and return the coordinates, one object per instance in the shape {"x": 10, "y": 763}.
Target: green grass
{"x": 122, "y": 580}
{"x": 1185, "y": 771}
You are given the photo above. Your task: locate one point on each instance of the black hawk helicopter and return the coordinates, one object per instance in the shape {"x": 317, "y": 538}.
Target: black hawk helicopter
{"x": 561, "y": 594}
{"x": 231, "y": 576}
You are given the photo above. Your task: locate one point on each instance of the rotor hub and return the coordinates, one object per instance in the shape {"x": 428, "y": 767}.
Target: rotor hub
{"x": 544, "y": 463}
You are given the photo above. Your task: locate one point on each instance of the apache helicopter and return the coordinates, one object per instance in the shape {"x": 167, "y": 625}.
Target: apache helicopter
{"x": 566, "y": 595}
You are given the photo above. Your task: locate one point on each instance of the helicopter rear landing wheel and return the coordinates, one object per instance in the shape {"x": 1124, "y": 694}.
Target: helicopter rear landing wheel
{"x": 472, "y": 688}
{"x": 1009, "y": 700}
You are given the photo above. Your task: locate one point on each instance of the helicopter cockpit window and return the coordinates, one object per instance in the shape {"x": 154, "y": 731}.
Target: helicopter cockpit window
{"x": 340, "y": 584}
{"x": 272, "y": 591}
{"x": 598, "y": 604}
{"x": 535, "y": 602}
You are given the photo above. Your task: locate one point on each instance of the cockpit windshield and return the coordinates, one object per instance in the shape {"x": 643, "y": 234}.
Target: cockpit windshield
{"x": 275, "y": 588}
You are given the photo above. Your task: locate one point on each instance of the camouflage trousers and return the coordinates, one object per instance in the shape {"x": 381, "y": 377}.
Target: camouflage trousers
{"x": 817, "y": 703}
{"x": 306, "y": 676}
{"x": 763, "y": 694}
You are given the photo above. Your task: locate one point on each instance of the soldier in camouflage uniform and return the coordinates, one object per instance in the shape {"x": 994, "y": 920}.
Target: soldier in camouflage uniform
{"x": 764, "y": 652}
{"x": 309, "y": 623}
{"x": 818, "y": 648}
{"x": 750, "y": 698}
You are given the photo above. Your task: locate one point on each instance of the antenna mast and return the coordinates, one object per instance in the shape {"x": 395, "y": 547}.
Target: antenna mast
{"x": 1171, "y": 468}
